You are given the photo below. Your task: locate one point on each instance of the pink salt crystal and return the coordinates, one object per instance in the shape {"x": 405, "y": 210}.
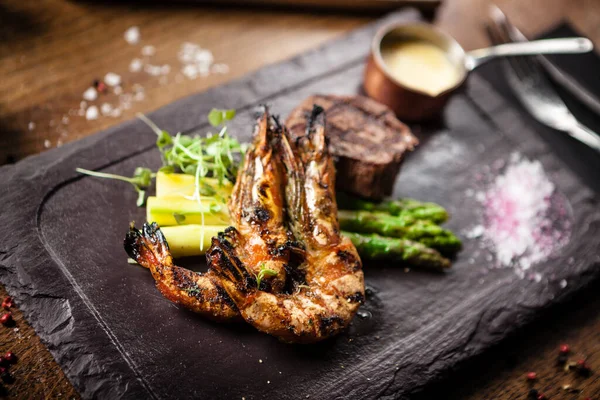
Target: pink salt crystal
{"x": 522, "y": 223}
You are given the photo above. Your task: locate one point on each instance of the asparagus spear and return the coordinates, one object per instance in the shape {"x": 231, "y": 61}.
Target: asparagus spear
{"x": 184, "y": 240}
{"x": 375, "y": 247}
{"x": 402, "y": 226}
{"x": 402, "y": 207}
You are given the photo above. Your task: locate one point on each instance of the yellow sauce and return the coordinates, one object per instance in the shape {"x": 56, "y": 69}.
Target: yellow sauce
{"x": 420, "y": 65}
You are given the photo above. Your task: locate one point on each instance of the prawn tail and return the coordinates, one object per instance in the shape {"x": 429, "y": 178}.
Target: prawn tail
{"x": 315, "y": 129}
{"x": 294, "y": 186}
{"x": 148, "y": 247}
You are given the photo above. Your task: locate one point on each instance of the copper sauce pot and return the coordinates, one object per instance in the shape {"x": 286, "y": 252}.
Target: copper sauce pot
{"x": 411, "y": 104}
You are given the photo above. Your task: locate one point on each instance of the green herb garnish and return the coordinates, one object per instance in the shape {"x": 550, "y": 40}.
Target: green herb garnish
{"x": 218, "y": 117}
{"x": 193, "y": 291}
{"x": 179, "y": 218}
{"x": 264, "y": 273}
{"x": 215, "y": 156}
{"x": 141, "y": 180}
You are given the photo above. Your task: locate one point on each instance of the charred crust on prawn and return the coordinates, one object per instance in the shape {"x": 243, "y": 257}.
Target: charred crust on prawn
{"x": 357, "y": 297}
{"x": 260, "y": 215}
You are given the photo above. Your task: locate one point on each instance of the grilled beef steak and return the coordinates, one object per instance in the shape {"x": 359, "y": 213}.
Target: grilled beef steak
{"x": 368, "y": 141}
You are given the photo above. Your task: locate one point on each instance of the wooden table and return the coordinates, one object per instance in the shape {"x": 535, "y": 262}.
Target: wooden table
{"x": 52, "y": 50}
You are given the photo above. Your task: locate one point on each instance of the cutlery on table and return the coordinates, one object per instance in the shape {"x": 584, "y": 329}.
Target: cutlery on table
{"x": 526, "y": 78}
{"x": 559, "y": 77}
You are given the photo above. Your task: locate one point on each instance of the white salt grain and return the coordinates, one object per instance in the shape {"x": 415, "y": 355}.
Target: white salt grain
{"x": 190, "y": 71}
{"x": 91, "y": 113}
{"x": 118, "y": 90}
{"x": 83, "y": 104}
{"x": 562, "y": 284}
{"x": 136, "y": 65}
{"x": 106, "y": 109}
{"x": 132, "y": 35}
{"x": 65, "y": 120}
{"x": 154, "y": 70}
{"x": 31, "y": 125}
{"x": 198, "y": 61}
{"x": 90, "y": 94}
{"x": 116, "y": 113}
{"x": 165, "y": 69}
{"x": 139, "y": 96}
{"x": 219, "y": 68}
{"x": 112, "y": 79}
{"x": 148, "y": 51}
{"x": 47, "y": 144}
{"x": 475, "y": 232}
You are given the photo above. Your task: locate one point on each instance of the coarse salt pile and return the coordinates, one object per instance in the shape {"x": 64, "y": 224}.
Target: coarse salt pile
{"x": 521, "y": 222}
{"x": 198, "y": 61}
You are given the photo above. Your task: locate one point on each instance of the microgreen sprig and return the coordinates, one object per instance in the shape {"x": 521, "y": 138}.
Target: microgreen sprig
{"x": 264, "y": 272}
{"x": 214, "y": 156}
{"x": 141, "y": 180}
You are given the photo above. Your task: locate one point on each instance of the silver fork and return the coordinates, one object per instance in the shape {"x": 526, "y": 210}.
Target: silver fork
{"x": 527, "y": 80}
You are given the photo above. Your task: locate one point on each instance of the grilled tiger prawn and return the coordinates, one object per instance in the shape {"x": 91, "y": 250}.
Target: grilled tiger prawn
{"x": 334, "y": 284}
{"x": 259, "y": 233}
{"x": 256, "y": 206}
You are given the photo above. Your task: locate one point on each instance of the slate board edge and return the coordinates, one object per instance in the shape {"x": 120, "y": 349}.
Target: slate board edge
{"x": 26, "y": 277}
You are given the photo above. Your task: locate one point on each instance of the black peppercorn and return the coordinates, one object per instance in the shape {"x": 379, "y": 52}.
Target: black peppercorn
{"x": 7, "y": 377}
{"x": 563, "y": 358}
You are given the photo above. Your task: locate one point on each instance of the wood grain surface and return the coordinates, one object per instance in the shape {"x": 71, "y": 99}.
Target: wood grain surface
{"x": 52, "y": 50}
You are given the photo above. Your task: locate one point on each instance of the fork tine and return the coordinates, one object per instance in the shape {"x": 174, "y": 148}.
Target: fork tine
{"x": 520, "y": 68}
{"x": 498, "y": 34}
{"x": 521, "y": 65}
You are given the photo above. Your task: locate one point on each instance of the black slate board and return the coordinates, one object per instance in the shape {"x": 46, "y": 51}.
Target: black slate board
{"x": 116, "y": 336}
